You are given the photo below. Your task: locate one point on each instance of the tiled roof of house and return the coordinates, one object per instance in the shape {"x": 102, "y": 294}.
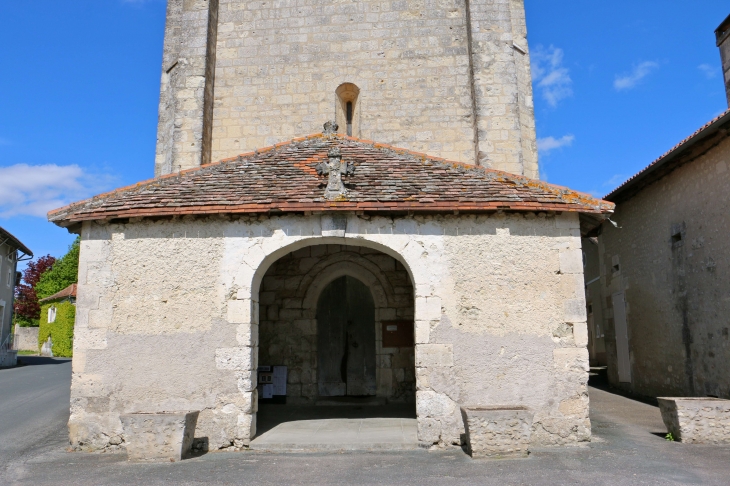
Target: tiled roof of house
{"x": 288, "y": 177}
{"x": 69, "y": 291}
{"x": 5, "y": 235}
{"x": 676, "y": 156}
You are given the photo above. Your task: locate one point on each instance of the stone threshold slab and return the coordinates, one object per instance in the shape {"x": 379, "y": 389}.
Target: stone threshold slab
{"x": 369, "y": 434}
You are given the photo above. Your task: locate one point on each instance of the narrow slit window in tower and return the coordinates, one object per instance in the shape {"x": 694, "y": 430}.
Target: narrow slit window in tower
{"x": 347, "y": 109}
{"x": 349, "y": 118}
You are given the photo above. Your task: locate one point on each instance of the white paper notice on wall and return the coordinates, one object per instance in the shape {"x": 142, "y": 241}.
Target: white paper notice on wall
{"x": 279, "y": 380}
{"x": 268, "y": 391}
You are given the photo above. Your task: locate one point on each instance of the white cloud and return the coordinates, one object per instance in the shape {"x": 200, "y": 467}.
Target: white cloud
{"x": 615, "y": 181}
{"x": 549, "y": 75}
{"x": 33, "y": 190}
{"x": 548, "y": 144}
{"x": 628, "y": 81}
{"x": 709, "y": 71}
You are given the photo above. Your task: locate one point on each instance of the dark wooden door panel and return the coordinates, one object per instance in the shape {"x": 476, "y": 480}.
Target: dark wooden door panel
{"x": 331, "y": 323}
{"x": 346, "y": 339}
{"x": 360, "y": 339}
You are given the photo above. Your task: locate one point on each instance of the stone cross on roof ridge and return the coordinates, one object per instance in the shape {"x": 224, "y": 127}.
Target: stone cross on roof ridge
{"x": 335, "y": 168}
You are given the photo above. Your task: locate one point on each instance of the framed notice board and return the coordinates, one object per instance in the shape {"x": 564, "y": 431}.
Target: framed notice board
{"x": 397, "y": 334}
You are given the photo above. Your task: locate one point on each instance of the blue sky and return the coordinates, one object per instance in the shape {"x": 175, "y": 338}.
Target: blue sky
{"x": 616, "y": 85}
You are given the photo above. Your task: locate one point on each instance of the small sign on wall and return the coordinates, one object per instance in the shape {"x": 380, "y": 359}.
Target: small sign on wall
{"x": 398, "y": 334}
{"x": 272, "y": 384}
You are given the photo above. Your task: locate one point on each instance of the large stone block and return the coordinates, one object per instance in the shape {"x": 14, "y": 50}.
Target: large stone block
{"x": 434, "y": 355}
{"x": 574, "y": 310}
{"x": 166, "y": 436}
{"x": 239, "y": 311}
{"x": 435, "y": 405}
{"x": 497, "y": 432}
{"x": 428, "y": 308}
{"x": 571, "y": 359}
{"x": 571, "y": 261}
{"x": 239, "y": 359}
{"x": 697, "y": 420}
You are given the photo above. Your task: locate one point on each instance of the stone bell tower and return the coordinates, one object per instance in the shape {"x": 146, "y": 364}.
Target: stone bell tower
{"x": 450, "y": 78}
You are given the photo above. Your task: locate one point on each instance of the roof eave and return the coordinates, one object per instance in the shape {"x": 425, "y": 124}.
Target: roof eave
{"x": 4, "y": 234}
{"x": 67, "y": 222}
{"x": 629, "y": 188}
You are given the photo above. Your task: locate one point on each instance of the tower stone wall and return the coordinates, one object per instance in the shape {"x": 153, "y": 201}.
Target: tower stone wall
{"x": 723, "y": 42}
{"x": 186, "y": 88}
{"x": 450, "y": 78}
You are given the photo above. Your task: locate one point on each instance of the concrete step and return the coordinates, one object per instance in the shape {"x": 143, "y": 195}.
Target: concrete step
{"x": 369, "y": 434}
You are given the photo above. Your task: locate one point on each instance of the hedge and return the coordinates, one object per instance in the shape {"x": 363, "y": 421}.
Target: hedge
{"x": 61, "y": 330}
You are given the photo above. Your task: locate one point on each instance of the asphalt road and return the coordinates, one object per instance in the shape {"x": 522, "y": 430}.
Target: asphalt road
{"x": 34, "y": 407}
{"x": 628, "y": 448}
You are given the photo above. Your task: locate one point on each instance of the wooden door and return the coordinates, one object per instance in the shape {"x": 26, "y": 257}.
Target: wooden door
{"x": 346, "y": 339}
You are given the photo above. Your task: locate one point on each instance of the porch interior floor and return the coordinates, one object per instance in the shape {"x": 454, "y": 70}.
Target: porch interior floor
{"x": 336, "y": 427}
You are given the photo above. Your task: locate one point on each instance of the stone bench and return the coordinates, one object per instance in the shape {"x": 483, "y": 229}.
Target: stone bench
{"x": 163, "y": 436}
{"x": 697, "y": 420}
{"x": 497, "y": 432}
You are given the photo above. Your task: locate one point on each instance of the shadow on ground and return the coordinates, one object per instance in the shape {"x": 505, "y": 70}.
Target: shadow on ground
{"x": 40, "y": 360}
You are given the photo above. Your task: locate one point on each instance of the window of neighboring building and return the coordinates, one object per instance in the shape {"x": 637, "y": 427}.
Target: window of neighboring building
{"x": 52, "y": 314}
{"x": 10, "y": 276}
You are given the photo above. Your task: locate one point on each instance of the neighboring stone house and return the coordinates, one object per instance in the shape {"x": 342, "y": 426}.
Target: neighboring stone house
{"x": 56, "y": 330}
{"x": 11, "y": 250}
{"x": 366, "y": 269}
{"x": 663, "y": 292}
{"x": 664, "y": 287}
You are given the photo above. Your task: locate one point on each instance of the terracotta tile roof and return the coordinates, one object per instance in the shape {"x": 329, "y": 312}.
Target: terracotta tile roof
{"x": 284, "y": 178}
{"x": 69, "y": 291}
{"x": 670, "y": 160}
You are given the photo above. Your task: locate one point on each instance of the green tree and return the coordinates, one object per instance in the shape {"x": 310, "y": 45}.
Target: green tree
{"x": 65, "y": 271}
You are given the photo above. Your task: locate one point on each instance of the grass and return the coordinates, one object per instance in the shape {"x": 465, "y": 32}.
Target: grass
{"x": 27, "y": 352}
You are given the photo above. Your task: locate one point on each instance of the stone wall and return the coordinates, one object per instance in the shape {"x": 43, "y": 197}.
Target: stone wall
{"x": 288, "y": 325}
{"x": 26, "y": 338}
{"x": 186, "y": 88}
{"x": 8, "y": 267}
{"x": 168, "y": 317}
{"x": 448, "y": 78}
{"x": 672, "y": 255}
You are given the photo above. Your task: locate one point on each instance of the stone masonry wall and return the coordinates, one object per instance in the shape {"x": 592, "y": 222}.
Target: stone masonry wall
{"x": 446, "y": 77}
{"x": 186, "y": 88}
{"x": 26, "y": 338}
{"x": 288, "y": 325}
{"x": 674, "y": 260}
{"x": 168, "y": 316}
{"x": 8, "y": 267}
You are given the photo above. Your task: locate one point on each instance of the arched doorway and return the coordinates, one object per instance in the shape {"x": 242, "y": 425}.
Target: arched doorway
{"x": 323, "y": 312}
{"x": 346, "y": 339}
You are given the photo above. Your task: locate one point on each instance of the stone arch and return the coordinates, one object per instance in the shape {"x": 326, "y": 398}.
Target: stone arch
{"x": 346, "y": 109}
{"x": 288, "y": 296}
{"x": 272, "y": 255}
{"x": 339, "y": 265}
